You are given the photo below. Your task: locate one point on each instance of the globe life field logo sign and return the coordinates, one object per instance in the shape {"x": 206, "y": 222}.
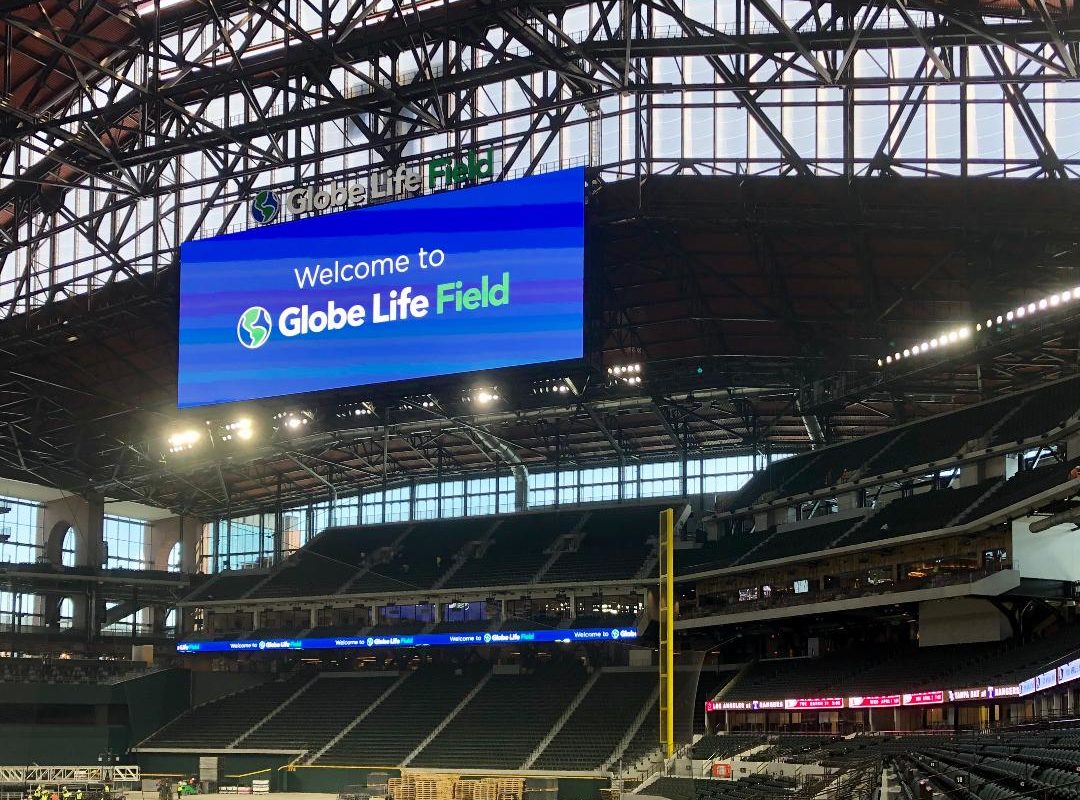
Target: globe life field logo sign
{"x": 265, "y": 207}
{"x": 253, "y": 328}
{"x": 401, "y": 181}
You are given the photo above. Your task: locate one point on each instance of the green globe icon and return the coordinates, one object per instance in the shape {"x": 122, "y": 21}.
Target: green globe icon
{"x": 253, "y": 328}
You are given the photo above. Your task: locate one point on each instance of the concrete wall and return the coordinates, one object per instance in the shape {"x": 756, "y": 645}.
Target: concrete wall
{"x": 960, "y": 620}
{"x": 165, "y": 533}
{"x": 60, "y": 744}
{"x": 1051, "y": 554}
{"x": 85, "y": 516}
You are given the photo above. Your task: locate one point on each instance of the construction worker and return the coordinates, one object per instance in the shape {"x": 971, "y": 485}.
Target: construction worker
{"x": 65, "y": 793}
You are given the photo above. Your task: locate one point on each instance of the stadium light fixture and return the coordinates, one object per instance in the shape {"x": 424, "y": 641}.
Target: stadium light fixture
{"x": 627, "y": 374}
{"x": 354, "y": 410}
{"x": 293, "y": 421}
{"x": 482, "y": 395}
{"x": 183, "y": 440}
{"x": 241, "y": 429}
{"x": 558, "y": 386}
{"x": 425, "y": 401}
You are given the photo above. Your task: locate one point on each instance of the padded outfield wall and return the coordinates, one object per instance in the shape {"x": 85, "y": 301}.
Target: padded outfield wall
{"x": 65, "y": 724}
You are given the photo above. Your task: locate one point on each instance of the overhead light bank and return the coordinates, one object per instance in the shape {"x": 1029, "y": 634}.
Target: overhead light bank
{"x": 964, "y": 333}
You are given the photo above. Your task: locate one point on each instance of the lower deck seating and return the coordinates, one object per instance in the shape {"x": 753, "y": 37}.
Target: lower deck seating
{"x": 724, "y": 745}
{"x": 221, "y": 722}
{"x": 319, "y": 713}
{"x": 501, "y": 726}
{"x": 582, "y": 744}
{"x": 401, "y": 722}
{"x": 645, "y": 738}
{"x": 751, "y": 787}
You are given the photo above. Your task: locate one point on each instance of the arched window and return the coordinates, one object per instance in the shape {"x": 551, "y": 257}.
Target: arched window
{"x": 175, "y": 557}
{"x": 67, "y": 550}
{"x": 67, "y": 611}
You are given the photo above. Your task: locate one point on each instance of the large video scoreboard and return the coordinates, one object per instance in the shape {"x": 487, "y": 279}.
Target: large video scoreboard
{"x": 475, "y": 279}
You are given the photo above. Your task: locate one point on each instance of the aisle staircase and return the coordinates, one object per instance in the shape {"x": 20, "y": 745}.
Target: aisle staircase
{"x": 449, "y": 718}
{"x": 561, "y": 721}
{"x": 361, "y": 717}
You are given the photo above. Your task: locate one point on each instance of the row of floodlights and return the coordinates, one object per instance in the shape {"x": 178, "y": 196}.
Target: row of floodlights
{"x": 243, "y": 429}
{"x": 963, "y": 333}
{"x": 239, "y": 430}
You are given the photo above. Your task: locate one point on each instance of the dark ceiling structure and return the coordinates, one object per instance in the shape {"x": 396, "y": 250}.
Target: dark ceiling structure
{"x": 759, "y": 288}
{"x": 742, "y": 298}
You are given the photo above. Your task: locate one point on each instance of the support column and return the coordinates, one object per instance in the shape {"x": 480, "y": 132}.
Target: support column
{"x": 157, "y": 620}
{"x": 165, "y": 533}
{"x": 86, "y": 516}
{"x": 521, "y": 489}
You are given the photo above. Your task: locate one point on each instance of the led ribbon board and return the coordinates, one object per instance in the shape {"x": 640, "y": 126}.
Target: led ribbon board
{"x": 418, "y": 640}
{"x": 474, "y": 279}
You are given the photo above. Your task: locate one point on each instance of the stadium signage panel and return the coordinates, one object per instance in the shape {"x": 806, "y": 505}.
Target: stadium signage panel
{"x": 389, "y": 183}
{"x": 924, "y": 698}
{"x": 744, "y": 705}
{"x": 982, "y": 693}
{"x": 486, "y": 277}
{"x": 874, "y": 701}
{"x": 1027, "y": 687}
{"x": 385, "y": 184}
{"x": 800, "y": 703}
{"x": 1046, "y": 680}
{"x": 1069, "y": 672}
{"x": 418, "y": 640}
